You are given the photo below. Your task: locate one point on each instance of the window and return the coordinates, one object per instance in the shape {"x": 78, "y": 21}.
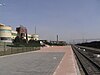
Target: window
{"x": 4, "y": 30}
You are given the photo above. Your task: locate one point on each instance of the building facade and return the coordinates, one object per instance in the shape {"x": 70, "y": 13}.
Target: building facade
{"x": 5, "y": 33}
{"x": 14, "y": 34}
{"x": 35, "y": 37}
{"x": 8, "y": 35}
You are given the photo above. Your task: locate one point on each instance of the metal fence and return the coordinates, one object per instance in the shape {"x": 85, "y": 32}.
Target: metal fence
{"x": 6, "y": 50}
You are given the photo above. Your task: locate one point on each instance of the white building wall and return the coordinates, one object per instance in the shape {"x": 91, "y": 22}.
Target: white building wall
{"x": 5, "y": 33}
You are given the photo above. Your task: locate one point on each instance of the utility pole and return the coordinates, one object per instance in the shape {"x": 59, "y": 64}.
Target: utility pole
{"x": 57, "y": 38}
{"x": 35, "y": 29}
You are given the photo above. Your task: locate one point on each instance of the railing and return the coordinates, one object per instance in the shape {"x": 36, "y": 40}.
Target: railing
{"x": 6, "y": 50}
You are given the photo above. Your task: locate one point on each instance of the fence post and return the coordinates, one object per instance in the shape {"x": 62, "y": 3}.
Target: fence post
{"x": 4, "y": 48}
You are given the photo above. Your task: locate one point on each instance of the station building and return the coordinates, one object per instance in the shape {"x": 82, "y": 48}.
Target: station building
{"x": 5, "y": 33}
{"x": 35, "y": 37}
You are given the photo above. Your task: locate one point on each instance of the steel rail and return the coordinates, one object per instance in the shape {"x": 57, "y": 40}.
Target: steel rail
{"x": 89, "y": 66}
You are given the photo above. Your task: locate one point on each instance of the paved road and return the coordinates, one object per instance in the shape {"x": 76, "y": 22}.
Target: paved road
{"x": 31, "y": 63}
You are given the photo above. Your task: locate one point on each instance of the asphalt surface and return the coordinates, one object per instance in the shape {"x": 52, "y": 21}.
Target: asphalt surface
{"x": 32, "y": 63}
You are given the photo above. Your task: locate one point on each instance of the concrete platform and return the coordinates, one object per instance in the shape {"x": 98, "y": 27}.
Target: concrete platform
{"x": 67, "y": 65}
{"x": 47, "y": 61}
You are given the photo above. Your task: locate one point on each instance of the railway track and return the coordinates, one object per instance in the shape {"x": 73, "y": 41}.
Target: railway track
{"x": 88, "y": 64}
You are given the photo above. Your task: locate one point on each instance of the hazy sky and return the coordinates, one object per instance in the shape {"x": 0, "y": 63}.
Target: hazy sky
{"x": 70, "y": 19}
